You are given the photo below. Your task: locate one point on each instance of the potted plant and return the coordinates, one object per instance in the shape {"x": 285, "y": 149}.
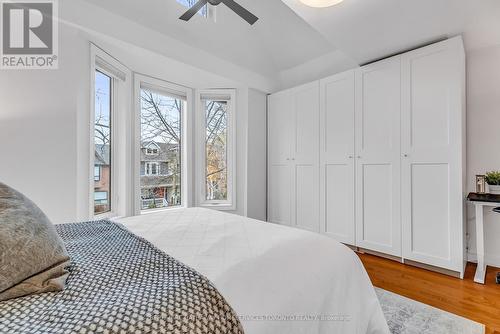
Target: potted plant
{"x": 493, "y": 180}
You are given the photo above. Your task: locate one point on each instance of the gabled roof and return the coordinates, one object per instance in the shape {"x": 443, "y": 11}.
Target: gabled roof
{"x": 151, "y": 143}
{"x": 166, "y": 152}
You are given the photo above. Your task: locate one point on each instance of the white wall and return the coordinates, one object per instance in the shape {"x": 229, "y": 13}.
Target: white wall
{"x": 483, "y": 138}
{"x": 38, "y": 117}
{"x": 321, "y": 67}
{"x": 241, "y": 150}
{"x": 257, "y": 155}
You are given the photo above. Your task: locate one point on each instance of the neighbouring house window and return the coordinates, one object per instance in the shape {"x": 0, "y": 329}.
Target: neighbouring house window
{"x": 152, "y": 168}
{"x": 218, "y": 148}
{"x": 161, "y": 134}
{"x": 97, "y": 173}
{"x": 102, "y": 141}
{"x": 100, "y": 197}
{"x": 152, "y": 151}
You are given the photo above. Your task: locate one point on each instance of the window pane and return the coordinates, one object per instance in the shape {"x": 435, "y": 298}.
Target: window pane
{"x": 190, "y": 3}
{"x": 102, "y": 143}
{"x": 160, "y": 150}
{"x": 216, "y": 149}
{"x": 97, "y": 173}
{"x": 101, "y": 196}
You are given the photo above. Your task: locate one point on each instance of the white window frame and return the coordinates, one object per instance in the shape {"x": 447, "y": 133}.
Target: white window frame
{"x": 120, "y": 123}
{"x": 230, "y": 203}
{"x": 163, "y": 87}
{"x": 150, "y": 164}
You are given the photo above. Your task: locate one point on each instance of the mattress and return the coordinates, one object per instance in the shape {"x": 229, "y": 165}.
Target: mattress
{"x": 277, "y": 279}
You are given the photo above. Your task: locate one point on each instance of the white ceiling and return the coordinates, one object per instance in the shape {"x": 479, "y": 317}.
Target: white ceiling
{"x": 278, "y": 41}
{"x": 370, "y": 29}
{"x": 292, "y": 40}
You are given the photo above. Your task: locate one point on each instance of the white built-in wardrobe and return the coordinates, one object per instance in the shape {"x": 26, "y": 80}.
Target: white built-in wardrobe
{"x": 375, "y": 157}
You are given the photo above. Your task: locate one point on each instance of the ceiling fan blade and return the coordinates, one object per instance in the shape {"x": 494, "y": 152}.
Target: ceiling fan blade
{"x": 242, "y": 12}
{"x": 193, "y": 10}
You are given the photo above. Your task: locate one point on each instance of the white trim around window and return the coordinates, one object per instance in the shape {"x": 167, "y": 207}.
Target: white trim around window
{"x": 120, "y": 103}
{"x": 148, "y": 168}
{"x": 228, "y": 95}
{"x": 163, "y": 87}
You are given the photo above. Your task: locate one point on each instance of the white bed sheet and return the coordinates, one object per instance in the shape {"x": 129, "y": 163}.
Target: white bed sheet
{"x": 279, "y": 280}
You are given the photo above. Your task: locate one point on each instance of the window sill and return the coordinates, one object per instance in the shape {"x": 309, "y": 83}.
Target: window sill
{"x": 106, "y": 216}
{"x": 146, "y": 212}
{"x": 220, "y": 207}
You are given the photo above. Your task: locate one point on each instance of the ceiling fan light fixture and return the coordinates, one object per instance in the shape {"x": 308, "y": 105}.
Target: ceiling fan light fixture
{"x": 231, "y": 4}
{"x": 320, "y": 3}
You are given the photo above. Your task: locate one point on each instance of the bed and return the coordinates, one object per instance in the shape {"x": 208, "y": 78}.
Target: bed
{"x": 278, "y": 280}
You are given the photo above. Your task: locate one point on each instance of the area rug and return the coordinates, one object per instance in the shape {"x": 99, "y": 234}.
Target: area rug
{"x": 407, "y": 316}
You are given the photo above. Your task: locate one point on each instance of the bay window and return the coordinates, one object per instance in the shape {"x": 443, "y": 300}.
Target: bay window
{"x": 146, "y": 159}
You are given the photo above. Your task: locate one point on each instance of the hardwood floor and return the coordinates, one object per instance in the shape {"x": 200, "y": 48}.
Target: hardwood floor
{"x": 474, "y": 301}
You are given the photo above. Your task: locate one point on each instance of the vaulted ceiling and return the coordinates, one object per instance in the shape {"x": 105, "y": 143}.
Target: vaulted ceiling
{"x": 279, "y": 40}
{"x": 369, "y": 29}
{"x": 293, "y": 37}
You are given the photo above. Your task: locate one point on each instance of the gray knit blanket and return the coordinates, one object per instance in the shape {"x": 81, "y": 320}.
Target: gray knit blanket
{"x": 121, "y": 283}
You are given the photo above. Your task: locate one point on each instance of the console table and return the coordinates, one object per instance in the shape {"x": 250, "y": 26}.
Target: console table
{"x": 480, "y": 201}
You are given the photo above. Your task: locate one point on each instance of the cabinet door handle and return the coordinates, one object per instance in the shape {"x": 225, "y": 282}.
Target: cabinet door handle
{"x": 406, "y": 155}
{"x": 351, "y": 157}
{"x": 359, "y": 157}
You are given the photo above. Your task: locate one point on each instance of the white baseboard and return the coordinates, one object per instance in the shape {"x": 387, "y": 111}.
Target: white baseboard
{"x": 490, "y": 260}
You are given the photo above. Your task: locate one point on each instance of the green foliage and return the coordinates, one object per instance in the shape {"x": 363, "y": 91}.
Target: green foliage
{"x": 493, "y": 178}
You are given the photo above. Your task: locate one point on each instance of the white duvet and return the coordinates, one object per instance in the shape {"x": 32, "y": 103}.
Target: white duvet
{"x": 279, "y": 280}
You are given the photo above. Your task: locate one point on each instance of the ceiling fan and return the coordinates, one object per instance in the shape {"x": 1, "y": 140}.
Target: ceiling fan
{"x": 238, "y": 9}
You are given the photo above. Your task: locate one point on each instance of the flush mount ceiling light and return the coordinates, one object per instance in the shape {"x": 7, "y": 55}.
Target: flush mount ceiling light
{"x": 321, "y": 3}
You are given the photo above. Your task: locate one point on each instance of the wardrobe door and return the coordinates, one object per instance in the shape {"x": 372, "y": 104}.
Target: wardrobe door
{"x": 337, "y": 157}
{"x": 432, "y": 202}
{"x": 280, "y": 117}
{"x": 378, "y": 161}
{"x": 305, "y": 156}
